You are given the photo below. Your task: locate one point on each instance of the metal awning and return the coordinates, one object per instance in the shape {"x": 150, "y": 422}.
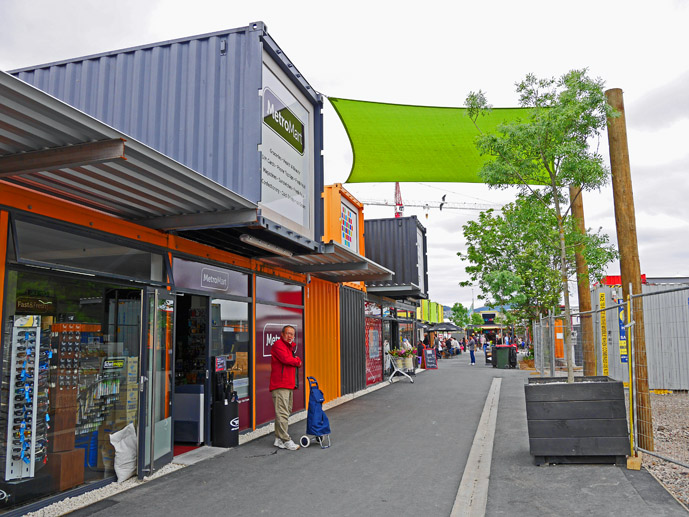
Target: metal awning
{"x": 51, "y": 147}
{"x": 335, "y": 263}
{"x": 396, "y": 291}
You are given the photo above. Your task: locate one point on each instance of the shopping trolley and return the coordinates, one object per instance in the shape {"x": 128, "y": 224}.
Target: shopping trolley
{"x": 317, "y": 423}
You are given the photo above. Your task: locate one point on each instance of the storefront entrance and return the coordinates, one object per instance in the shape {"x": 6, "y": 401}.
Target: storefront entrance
{"x": 191, "y": 424}
{"x": 208, "y": 329}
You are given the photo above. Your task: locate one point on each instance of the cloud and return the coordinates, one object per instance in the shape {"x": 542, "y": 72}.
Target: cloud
{"x": 662, "y": 106}
{"x": 43, "y": 31}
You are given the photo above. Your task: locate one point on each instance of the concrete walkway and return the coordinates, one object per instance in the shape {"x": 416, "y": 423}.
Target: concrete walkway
{"x": 401, "y": 450}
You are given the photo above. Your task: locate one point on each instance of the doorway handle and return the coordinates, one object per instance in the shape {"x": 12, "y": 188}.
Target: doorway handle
{"x": 144, "y": 379}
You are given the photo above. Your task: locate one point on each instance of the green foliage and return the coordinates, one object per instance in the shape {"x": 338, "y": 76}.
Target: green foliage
{"x": 550, "y": 147}
{"x": 513, "y": 256}
{"x": 460, "y": 315}
{"x": 476, "y": 319}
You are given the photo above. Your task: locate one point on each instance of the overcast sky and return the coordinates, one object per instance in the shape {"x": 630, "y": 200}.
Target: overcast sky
{"x": 433, "y": 53}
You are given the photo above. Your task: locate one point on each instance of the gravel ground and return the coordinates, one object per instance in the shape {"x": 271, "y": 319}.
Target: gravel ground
{"x": 671, "y": 436}
{"x": 74, "y": 503}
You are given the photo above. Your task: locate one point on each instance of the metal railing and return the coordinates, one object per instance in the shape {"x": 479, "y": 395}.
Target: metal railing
{"x": 645, "y": 339}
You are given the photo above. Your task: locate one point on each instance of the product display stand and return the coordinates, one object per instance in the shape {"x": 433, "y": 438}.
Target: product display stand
{"x": 66, "y": 462}
{"x": 27, "y": 418}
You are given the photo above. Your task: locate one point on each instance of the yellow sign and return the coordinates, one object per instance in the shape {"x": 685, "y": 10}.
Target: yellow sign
{"x": 604, "y": 335}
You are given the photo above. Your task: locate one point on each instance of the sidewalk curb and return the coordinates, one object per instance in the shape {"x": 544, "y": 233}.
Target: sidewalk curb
{"x": 472, "y": 495}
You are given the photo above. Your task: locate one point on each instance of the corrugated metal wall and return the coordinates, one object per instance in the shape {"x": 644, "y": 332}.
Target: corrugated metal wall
{"x": 393, "y": 243}
{"x": 666, "y": 322}
{"x": 352, "y": 341}
{"x": 188, "y": 99}
{"x": 322, "y": 321}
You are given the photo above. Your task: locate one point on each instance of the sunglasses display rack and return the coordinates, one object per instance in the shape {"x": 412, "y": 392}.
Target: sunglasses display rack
{"x": 27, "y": 417}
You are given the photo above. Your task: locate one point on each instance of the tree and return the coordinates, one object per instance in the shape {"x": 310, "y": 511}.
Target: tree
{"x": 477, "y": 319}
{"x": 550, "y": 147}
{"x": 460, "y": 315}
{"x": 514, "y": 256}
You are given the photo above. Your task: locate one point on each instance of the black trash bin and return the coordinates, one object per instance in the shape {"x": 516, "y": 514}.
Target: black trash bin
{"x": 225, "y": 426}
{"x": 513, "y": 357}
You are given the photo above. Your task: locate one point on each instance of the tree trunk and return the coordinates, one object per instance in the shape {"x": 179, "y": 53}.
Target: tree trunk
{"x": 583, "y": 285}
{"x": 569, "y": 351}
{"x": 630, "y": 269}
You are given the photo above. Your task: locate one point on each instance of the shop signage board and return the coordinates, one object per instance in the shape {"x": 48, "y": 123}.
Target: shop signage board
{"x": 604, "y": 334}
{"x": 623, "y": 335}
{"x": 287, "y": 150}
{"x": 430, "y": 359}
{"x": 36, "y": 305}
{"x": 349, "y": 225}
{"x": 272, "y": 332}
{"x": 202, "y": 277}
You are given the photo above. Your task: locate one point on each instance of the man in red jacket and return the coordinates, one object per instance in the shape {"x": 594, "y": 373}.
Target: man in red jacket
{"x": 284, "y": 379}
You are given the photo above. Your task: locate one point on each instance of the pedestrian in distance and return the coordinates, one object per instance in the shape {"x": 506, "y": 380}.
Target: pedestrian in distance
{"x": 284, "y": 379}
{"x": 472, "y": 349}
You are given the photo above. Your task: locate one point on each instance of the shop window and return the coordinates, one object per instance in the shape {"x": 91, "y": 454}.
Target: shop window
{"x": 230, "y": 337}
{"x": 275, "y": 291}
{"x": 407, "y": 332}
{"x": 42, "y": 245}
{"x": 11, "y": 253}
{"x": 270, "y": 319}
{"x": 69, "y": 379}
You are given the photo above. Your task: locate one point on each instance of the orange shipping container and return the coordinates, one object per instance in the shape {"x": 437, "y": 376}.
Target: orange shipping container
{"x": 322, "y": 322}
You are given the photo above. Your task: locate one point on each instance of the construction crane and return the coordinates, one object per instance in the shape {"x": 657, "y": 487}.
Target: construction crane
{"x": 441, "y": 205}
{"x": 427, "y": 205}
{"x": 399, "y": 206}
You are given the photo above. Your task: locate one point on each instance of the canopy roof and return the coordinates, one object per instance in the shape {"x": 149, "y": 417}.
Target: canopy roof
{"x": 397, "y": 142}
{"x": 51, "y": 147}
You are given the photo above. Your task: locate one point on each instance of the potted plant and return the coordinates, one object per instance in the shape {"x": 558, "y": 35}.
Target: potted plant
{"x": 580, "y": 422}
{"x": 404, "y": 359}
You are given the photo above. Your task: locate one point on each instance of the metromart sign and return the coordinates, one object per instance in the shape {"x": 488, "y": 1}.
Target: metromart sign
{"x": 278, "y": 117}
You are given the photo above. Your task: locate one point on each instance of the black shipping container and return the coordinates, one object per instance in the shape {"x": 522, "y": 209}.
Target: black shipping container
{"x": 352, "y": 341}
{"x": 398, "y": 244}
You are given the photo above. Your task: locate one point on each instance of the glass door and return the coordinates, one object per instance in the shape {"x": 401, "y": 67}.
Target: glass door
{"x": 155, "y": 431}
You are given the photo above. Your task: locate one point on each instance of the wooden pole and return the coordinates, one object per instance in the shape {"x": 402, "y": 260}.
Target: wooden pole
{"x": 583, "y": 283}
{"x": 625, "y": 220}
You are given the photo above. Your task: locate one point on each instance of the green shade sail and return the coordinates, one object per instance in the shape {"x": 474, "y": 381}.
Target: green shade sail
{"x": 397, "y": 142}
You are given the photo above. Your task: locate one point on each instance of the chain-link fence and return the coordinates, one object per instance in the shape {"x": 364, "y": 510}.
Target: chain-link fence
{"x": 647, "y": 342}
{"x": 664, "y": 314}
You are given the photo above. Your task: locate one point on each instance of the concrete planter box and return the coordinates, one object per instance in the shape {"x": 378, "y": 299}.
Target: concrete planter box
{"x": 583, "y": 422}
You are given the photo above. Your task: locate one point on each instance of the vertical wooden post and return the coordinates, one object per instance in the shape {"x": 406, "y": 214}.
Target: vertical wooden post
{"x": 583, "y": 285}
{"x": 625, "y": 220}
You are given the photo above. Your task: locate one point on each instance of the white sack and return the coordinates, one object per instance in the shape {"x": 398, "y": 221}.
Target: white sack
{"x": 125, "y": 444}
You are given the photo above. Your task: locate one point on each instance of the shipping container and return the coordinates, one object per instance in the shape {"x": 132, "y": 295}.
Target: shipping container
{"x": 229, "y": 105}
{"x": 666, "y": 330}
{"x": 398, "y": 244}
{"x": 352, "y": 341}
{"x": 322, "y": 321}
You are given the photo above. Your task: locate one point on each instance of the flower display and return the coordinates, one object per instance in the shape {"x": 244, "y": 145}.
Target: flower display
{"x": 399, "y": 352}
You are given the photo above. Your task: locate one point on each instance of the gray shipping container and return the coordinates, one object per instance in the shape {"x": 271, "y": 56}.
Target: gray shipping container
{"x": 352, "y": 341}
{"x": 666, "y": 326}
{"x": 398, "y": 244}
{"x": 195, "y": 99}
